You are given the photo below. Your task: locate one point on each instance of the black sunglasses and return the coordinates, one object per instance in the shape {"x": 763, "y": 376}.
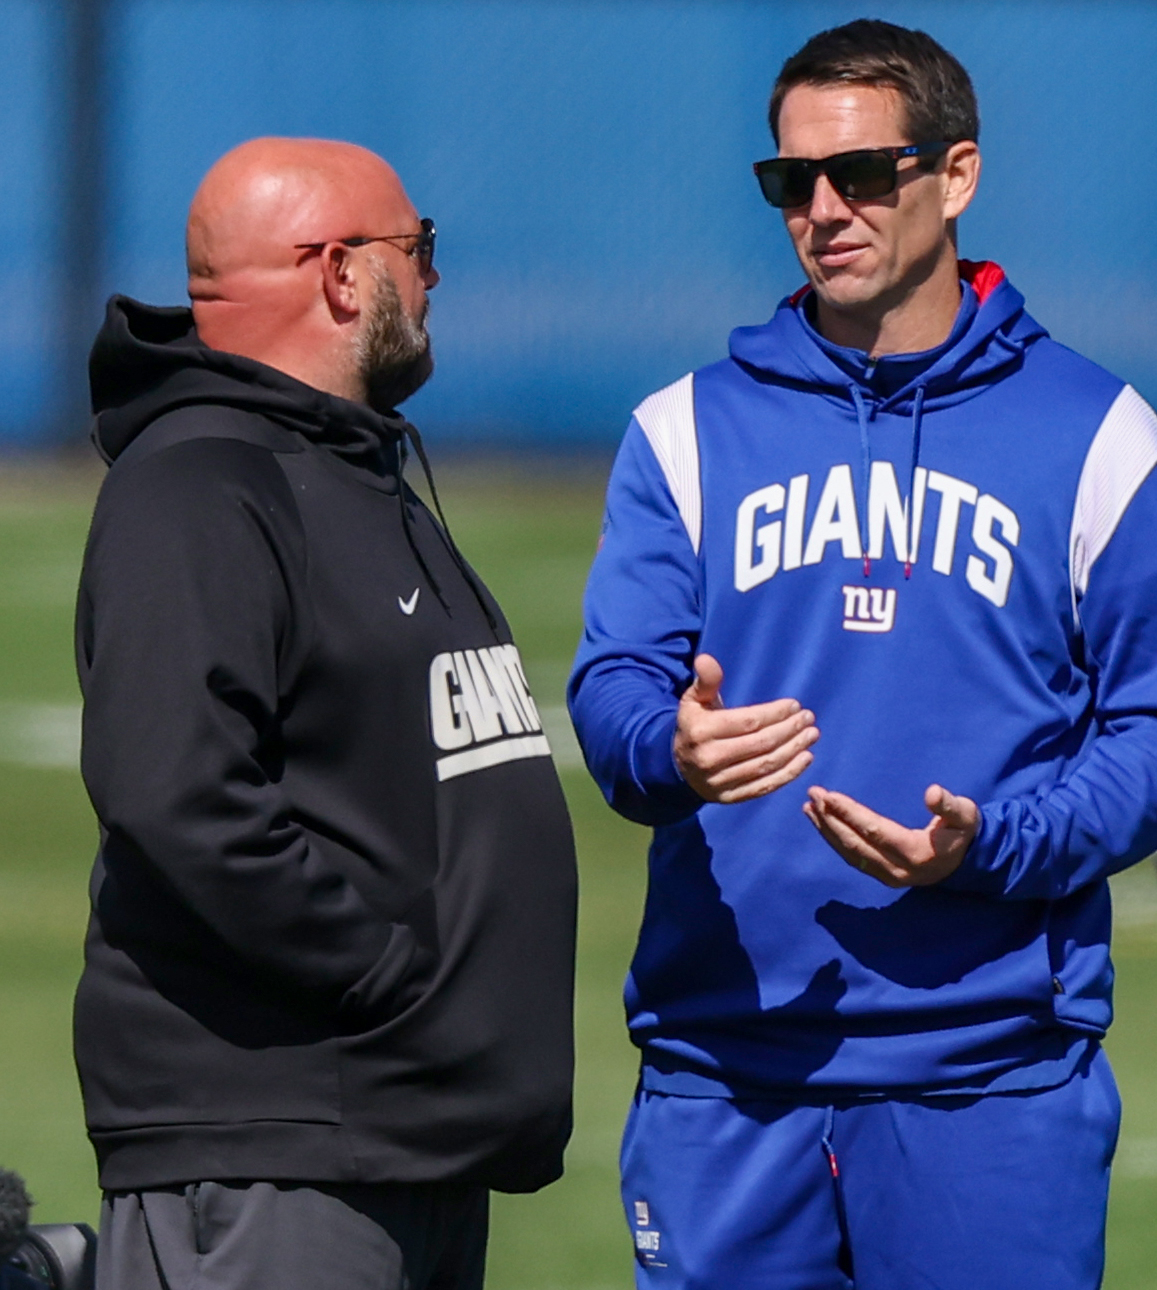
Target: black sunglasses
{"x": 422, "y": 250}
{"x": 857, "y": 176}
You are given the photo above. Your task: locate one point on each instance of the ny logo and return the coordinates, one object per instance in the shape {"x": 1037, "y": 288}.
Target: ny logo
{"x": 869, "y": 609}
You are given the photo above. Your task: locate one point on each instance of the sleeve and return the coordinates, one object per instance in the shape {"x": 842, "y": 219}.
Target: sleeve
{"x": 642, "y": 620}
{"x": 189, "y": 610}
{"x": 1102, "y": 816}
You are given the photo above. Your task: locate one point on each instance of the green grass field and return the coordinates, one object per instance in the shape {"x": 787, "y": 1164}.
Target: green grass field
{"x": 532, "y": 535}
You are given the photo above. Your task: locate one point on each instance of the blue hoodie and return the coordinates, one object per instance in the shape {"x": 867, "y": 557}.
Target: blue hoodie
{"x": 950, "y": 558}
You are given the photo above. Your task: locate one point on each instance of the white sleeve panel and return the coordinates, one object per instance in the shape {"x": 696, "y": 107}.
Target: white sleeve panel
{"x": 1123, "y": 452}
{"x": 668, "y": 421}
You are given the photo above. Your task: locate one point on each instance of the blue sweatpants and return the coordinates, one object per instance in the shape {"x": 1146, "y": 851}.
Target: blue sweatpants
{"x": 1003, "y": 1192}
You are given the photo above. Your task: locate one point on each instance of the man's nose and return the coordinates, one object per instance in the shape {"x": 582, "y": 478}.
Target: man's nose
{"x": 431, "y": 278}
{"x": 827, "y": 206}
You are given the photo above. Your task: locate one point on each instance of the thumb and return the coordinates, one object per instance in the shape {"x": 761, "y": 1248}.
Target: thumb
{"x": 958, "y": 812}
{"x": 704, "y": 689}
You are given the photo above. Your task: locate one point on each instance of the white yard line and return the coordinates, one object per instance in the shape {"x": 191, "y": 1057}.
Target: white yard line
{"x": 47, "y": 735}
{"x": 43, "y": 735}
{"x": 561, "y": 737}
{"x": 1135, "y": 897}
{"x": 1136, "y": 1158}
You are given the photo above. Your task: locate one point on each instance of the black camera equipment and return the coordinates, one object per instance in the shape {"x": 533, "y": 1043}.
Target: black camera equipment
{"x": 61, "y": 1256}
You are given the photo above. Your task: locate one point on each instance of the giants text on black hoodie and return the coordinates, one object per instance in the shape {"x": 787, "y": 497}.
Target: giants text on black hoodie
{"x": 333, "y": 911}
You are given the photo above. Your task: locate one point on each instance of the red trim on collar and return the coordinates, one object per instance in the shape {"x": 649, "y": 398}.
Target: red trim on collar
{"x": 799, "y": 295}
{"x": 984, "y": 276}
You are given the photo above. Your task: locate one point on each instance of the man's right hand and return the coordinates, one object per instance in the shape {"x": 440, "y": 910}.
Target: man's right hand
{"x": 736, "y": 754}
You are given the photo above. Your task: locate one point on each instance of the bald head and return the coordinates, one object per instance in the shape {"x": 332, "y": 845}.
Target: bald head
{"x": 256, "y": 292}
{"x": 268, "y": 195}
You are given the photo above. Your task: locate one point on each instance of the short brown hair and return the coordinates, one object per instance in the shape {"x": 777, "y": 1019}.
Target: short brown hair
{"x": 939, "y": 101}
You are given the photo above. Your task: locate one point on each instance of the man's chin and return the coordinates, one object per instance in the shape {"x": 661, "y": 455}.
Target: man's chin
{"x": 386, "y": 390}
{"x": 844, "y": 286}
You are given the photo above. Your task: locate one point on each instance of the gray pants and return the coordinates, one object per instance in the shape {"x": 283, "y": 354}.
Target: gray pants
{"x": 290, "y": 1236}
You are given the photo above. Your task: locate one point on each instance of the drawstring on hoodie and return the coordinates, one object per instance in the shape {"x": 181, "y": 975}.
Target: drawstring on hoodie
{"x": 863, "y": 416}
{"x": 910, "y": 536}
{"x": 410, "y": 432}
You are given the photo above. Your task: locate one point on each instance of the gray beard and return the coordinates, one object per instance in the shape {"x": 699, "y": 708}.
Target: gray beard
{"x": 393, "y": 351}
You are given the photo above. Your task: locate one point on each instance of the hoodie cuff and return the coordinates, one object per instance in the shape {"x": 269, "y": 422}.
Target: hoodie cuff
{"x": 977, "y": 872}
{"x": 655, "y": 771}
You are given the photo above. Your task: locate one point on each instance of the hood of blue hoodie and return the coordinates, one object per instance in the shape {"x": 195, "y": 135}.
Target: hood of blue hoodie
{"x": 988, "y": 340}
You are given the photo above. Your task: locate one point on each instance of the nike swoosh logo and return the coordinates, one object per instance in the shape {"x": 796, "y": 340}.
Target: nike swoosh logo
{"x": 408, "y": 606}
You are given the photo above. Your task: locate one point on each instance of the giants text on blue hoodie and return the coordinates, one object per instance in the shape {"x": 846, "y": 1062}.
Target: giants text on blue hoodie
{"x": 949, "y": 557}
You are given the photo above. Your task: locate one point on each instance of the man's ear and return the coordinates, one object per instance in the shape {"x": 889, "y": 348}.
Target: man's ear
{"x": 961, "y": 174}
{"x": 339, "y": 282}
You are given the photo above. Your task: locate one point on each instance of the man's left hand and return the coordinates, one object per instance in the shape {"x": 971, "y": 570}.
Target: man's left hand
{"x": 887, "y": 851}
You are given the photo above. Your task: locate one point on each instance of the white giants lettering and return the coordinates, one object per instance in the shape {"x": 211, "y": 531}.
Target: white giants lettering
{"x": 835, "y": 518}
{"x": 750, "y": 570}
{"x": 952, "y": 493}
{"x": 993, "y": 586}
{"x": 481, "y": 712}
{"x": 770, "y": 525}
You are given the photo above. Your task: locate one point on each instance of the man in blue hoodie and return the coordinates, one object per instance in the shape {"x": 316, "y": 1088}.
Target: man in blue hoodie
{"x": 900, "y": 514}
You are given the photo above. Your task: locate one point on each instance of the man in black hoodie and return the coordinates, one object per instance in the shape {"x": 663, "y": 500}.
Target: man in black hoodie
{"x": 326, "y": 1005}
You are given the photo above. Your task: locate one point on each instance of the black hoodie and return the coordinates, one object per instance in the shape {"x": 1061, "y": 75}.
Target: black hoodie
{"x": 332, "y": 935}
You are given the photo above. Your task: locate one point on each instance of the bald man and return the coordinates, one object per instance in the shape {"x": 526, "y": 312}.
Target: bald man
{"x": 326, "y": 1004}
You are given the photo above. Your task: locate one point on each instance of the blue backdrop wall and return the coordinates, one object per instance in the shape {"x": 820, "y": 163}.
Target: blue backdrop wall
{"x": 588, "y": 165}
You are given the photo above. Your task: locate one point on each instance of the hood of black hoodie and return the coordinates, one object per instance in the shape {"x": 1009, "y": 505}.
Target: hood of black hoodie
{"x": 992, "y": 333}
{"x": 147, "y": 361}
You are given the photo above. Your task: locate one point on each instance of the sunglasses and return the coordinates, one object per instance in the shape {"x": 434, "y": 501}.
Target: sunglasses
{"x": 857, "y": 176}
{"x": 422, "y": 250}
